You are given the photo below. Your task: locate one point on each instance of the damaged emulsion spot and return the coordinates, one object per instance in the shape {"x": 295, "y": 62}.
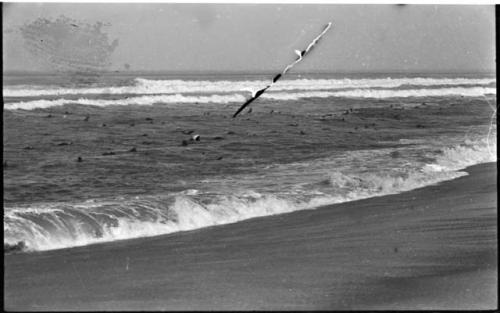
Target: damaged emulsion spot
{"x": 69, "y": 46}
{"x": 300, "y": 54}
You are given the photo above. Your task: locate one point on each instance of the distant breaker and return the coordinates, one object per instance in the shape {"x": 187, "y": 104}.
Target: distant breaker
{"x": 143, "y": 86}
{"x": 277, "y": 96}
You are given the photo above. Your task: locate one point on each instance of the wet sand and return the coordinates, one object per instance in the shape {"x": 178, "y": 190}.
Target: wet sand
{"x": 430, "y": 248}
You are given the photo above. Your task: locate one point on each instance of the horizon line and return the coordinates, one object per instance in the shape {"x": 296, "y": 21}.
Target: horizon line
{"x": 241, "y": 72}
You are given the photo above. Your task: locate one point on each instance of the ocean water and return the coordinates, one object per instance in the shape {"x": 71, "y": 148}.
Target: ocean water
{"x": 311, "y": 140}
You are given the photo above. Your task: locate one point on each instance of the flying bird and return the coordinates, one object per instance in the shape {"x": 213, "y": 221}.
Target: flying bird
{"x": 300, "y": 54}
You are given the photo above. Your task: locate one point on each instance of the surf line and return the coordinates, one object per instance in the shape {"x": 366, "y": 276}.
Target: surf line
{"x": 491, "y": 125}
{"x": 300, "y": 54}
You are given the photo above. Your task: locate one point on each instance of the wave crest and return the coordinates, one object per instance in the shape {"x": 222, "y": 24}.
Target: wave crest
{"x": 150, "y": 86}
{"x": 62, "y": 225}
{"x": 56, "y": 226}
{"x": 142, "y": 100}
{"x": 234, "y": 98}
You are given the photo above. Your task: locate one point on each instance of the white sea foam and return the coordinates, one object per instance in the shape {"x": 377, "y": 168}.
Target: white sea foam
{"x": 426, "y": 92}
{"x": 385, "y": 93}
{"x": 142, "y": 100}
{"x": 371, "y": 185}
{"x": 56, "y": 227}
{"x": 61, "y": 225}
{"x": 148, "y": 86}
{"x": 276, "y": 96}
{"x": 467, "y": 154}
{"x": 447, "y": 165}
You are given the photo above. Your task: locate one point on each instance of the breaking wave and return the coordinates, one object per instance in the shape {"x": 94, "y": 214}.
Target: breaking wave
{"x": 149, "y": 87}
{"x": 142, "y": 100}
{"x": 54, "y": 226}
{"x": 277, "y": 96}
{"x": 445, "y": 167}
{"x": 405, "y": 93}
{"x": 390, "y": 179}
{"x": 61, "y": 225}
{"x": 386, "y": 93}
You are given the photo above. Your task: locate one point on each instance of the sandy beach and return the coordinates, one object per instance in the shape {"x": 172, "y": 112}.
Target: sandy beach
{"x": 430, "y": 248}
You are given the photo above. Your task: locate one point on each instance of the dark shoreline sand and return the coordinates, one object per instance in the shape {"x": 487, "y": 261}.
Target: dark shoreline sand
{"x": 430, "y": 248}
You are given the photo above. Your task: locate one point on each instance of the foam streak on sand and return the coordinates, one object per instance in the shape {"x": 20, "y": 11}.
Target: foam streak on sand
{"x": 59, "y": 225}
{"x": 278, "y": 96}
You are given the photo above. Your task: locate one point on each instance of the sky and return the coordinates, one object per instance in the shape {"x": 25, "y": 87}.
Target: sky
{"x": 262, "y": 37}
